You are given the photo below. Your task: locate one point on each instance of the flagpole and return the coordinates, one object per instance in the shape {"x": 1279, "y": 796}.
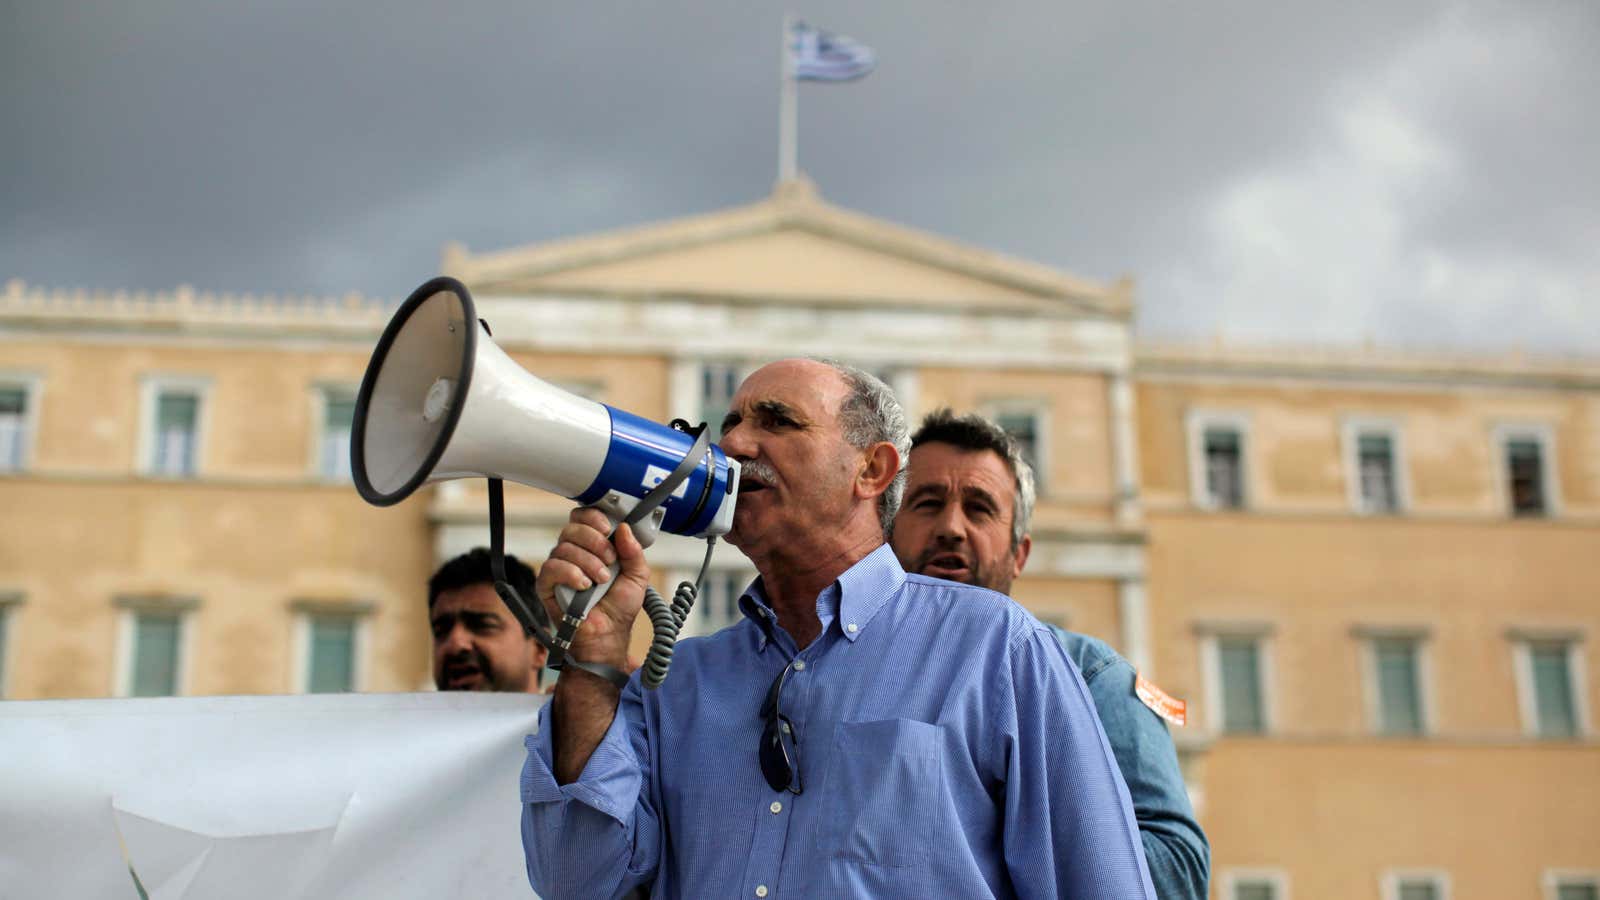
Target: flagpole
{"x": 788, "y": 112}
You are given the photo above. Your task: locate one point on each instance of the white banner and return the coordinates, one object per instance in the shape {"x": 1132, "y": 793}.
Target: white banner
{"x": 321, "y": 796}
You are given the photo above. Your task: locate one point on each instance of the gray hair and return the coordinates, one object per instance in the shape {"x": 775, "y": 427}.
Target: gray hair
{"x": 869, "y": 414}
{"x": 974, "y": 432}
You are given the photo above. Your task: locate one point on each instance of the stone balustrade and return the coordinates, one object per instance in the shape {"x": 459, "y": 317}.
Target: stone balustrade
{"x": 22, "y": 303}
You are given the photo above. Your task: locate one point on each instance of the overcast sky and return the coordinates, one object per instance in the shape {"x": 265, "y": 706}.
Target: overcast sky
{"x": 1419, "y": 173}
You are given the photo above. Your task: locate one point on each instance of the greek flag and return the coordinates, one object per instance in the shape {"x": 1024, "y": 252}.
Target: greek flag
{"x": 818, "y": 55}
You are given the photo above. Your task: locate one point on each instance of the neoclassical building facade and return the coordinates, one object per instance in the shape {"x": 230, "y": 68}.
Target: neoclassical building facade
{"x": 1372, "y": 576}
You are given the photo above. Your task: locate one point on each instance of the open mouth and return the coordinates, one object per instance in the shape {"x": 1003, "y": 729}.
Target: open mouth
{"x": 750, "y": 486}
{"x": 459, "y": 677}
{"x": 952, "y": 566}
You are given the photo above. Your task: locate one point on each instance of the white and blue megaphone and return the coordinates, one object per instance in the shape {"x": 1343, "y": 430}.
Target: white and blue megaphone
{"x": 441, "y": 400}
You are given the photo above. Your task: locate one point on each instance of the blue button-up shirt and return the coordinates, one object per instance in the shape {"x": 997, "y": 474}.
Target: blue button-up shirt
{"x": 947, "y": 748}
{"x": 1175, "y": 848}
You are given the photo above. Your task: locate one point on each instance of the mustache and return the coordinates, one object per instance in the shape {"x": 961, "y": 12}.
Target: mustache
{"x": 759, "y": 469}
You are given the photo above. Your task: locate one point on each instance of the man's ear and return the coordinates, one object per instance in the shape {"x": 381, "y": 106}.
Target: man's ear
{"x": 1023, "y": 547}
{"x": 880, "y": 463}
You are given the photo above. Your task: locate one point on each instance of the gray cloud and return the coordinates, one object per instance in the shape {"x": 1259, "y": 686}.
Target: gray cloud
{"x": 1416, "y": 172}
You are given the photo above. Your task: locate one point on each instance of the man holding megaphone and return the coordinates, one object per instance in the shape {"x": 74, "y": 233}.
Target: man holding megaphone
{"x": 861, "y": 732}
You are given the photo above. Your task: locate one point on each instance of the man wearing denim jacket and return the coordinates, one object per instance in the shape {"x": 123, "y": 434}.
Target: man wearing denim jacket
{"x": 968, "y": 502}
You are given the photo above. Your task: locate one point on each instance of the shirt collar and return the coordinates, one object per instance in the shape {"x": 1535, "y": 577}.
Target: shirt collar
{"x": 865, "y": 587}
{"x": 858, "y": 595}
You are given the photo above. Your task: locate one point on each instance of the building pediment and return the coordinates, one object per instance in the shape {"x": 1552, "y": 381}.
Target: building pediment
{"x": 790, "y": 248}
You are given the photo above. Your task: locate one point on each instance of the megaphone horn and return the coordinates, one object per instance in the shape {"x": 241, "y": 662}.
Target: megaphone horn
{"x": 441, "y": 400}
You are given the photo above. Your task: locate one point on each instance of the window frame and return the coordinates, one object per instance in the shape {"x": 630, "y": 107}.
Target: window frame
{"x": 1392, "y": 879}
{"x": 1372, "y": 687}
{"x": 1522, "y": 640}
{"x": 1543, "y": 434}
{"x": 1037, "y": 409}
{"x": 151, "y": 388}
{"x": 320, "y": 394}
{"x": 1198, "y": 420}
{"x": 10, "y": 603}
{"x": 1211, "y": 674}
{"x": 32, "y": 386}
{"x": 1555, "y": 879}
{"x": 1352, "y": 430}
{"x": 1233, "y": 877}
{"x": 129, "y": 608}
{"x": 739, "y": 370}
{"x": 304, "y": 612}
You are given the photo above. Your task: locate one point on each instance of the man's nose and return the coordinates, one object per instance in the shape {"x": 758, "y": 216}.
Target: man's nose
{"x": 737, "y": 443}
{"x": 951, "y": 525}
{"x": 457, "y": 640}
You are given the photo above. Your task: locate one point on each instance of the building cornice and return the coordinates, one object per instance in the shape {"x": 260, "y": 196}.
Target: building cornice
{"x": 1363, "y": 364}
{"x": 190, "y": 312}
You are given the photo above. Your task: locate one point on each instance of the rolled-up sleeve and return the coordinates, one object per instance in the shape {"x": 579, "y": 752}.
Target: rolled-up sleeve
{"x": 599, "y": 835}
{"x": 1069, "y": 826}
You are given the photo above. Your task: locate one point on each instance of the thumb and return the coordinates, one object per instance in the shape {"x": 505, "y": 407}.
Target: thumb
{"x": 630, "y": 555}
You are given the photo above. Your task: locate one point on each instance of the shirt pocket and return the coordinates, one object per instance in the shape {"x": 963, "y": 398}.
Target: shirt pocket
{"x": 884, "y": 792}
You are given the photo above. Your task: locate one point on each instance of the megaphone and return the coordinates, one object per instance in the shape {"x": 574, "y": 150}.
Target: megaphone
{"x": 441, "y": 400}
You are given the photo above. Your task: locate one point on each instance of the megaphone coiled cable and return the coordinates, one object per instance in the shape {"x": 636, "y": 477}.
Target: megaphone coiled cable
{"x": 666, "y": 619}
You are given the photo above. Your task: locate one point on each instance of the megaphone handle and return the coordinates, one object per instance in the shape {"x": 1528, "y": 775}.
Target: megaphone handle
{"x": 579, "y": 603}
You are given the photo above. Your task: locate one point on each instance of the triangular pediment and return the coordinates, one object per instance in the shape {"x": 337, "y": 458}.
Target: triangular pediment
{"x": 792, "y": 247}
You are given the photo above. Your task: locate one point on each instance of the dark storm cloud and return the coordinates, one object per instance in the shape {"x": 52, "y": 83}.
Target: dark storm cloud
{"x": 1413, "y": 171}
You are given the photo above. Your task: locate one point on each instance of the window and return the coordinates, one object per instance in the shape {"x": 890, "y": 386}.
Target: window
{"x": 1025, "y": 424}
{"x": 332, "y": 658}
{"x": 338, "y": 408}
{"x": 1529, "y": 479}
{"x": 1416, "y": 885}
{"x": 329, "y": 645}
{"x": 1550, "y": 683}
{"x": 17, "y": 407}
{"x": 1217, "y": 449}
{"x": 1238, "y": 677}
{"x": 1372, "y": 459}
{"x": 155, "y": 655}
{"x": 153, "y": 639}
{"x": 8, "y": 603}
{"x": 173, "y": 425}
{"x": 717, "y": 606}
{"x": 1571, "y": 886}
{"x": 1255, "y": 885}
{"x": 1417, "y": 890}
{"x": 718, "y": 383}
{"x": 1396, "y": 684}
{"x": 1240, "y": 662}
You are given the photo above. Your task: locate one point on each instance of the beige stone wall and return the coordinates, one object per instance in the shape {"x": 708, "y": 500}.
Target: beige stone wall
{"x": 256, "y": 531}
{"x": 1296, "y": 455}
{"x": 1314, "y": 579}
{"x": 1078, "y": 483}
{"x": 1335, "y": 816}
{"x": 258, "y": 410}
{"x": 1085, "y": 605}
{"x": 1321, "y": 798}
{"x": 246, "y": 554}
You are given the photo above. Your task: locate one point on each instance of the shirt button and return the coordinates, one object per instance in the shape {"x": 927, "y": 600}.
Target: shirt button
{"x": 851, "y": 628}
{"x": 776, "y": 807}
{"x": 799, "y": 665}
{"x": 761, "y": 890}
